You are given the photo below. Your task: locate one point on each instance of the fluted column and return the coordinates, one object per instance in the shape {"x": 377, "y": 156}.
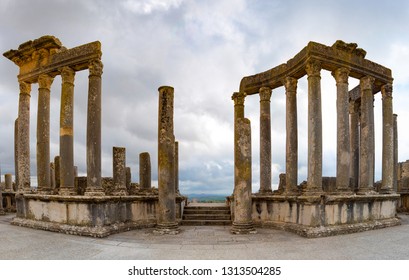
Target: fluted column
{"x": 395, "y": 152}
{"x": 314, "y": 184}
{"x": 23, "y": 139}
{"x": 291, "y": 158}
{"x": 367, "y": 154}
{"x": 67, "y": 132}
{"x": 265, "y": 140}
{"x": 387, "y": 140}
{"x": 354, "y": 109}
{"x": 94, "y": 186}
{"x": 166, "y": 163}
{"x": 343, "y": 136}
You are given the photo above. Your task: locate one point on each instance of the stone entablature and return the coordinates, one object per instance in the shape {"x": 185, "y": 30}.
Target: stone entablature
{"x": 339, "y": 55}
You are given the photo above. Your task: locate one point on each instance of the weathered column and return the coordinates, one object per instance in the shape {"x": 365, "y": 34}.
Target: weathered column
{"x": 167, "y": 223}
{"x": 291, "y": 158}
{"x": 119, "y": 170}
{"x": 94, "y": 186}
{"x": 128, "y": 179}
{"x": 8, "y": 182}
{"x": 395, "y": 152}
{"x": 144, "y": 171}
{"x": 2, "y": 212}
{"x": 343, "y": 136}
{"x": 265, "y": 140}
{"x": 57, "y": 164}
{"x": 367, "y": 155}
{"x": 238, "y": 98}
{"x": 75, "y": 172}
{"x": 387, "y": 140}
{"x": 177, "y": 167}
{"x": 67, "y": 132}
{"x": 354, "y": 108}
{"x": 314, "y": 184}
{"x": 23, "y": 138}
{"x": 43, "y": 133}
{"x": 16, "y": 151}
{"x": 52, "y": 176}
{"x": 242, "y": 223}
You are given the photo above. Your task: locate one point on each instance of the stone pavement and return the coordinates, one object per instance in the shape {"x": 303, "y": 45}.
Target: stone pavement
{"x": 205, "y": 242}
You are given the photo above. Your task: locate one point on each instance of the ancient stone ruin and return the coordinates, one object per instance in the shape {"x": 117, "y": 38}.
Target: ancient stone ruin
{"x": 98, "y": 206}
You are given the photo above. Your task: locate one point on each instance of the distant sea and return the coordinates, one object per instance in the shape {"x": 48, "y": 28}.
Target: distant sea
{"x": 206, "y": 197}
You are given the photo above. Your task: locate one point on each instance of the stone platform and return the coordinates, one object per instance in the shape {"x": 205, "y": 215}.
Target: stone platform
{"x": 96, "y": 216}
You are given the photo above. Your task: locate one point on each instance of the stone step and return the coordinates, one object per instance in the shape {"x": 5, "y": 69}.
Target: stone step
{"x": 205, "y": 217}
{"x": 205, "y": 223}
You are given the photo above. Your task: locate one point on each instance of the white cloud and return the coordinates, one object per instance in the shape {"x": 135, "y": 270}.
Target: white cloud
{"x": 150, "y": 6}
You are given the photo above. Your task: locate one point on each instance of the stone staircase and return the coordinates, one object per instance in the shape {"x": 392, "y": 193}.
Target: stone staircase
{"x": 203, "y": 214}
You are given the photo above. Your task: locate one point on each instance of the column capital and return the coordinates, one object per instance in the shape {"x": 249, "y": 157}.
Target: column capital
{"x": 313, "y": 68}
{"x": 95, "y": 67}
{"x": 166, "y": 89}
{"x": 238, "y": 98}
{"x": 45, "y": 81}
{"x": 290, "y": 84}
{"x": 25, "y": 88}
{"x": 366, "y": 83}
{"x": 386, "y": 91}
{"x": 341, "y": 75}
{"x": 67, "y": 74}
{"x": 265, "y": 93}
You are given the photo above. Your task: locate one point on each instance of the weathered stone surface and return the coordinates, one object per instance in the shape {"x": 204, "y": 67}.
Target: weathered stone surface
{"x": 119, "y": 170}
{"x": 395, "y": 152}
{"x": 23, "y": 144}
{"x": 16, "y": 151}
{"x": 388, "y": 141}
{"x": 145, "y": 170}
{"x": 177, "y": 167}
{"x": 57, "y": 168}
{"x": 265, "y": 140}
{"x": 354, "y": 112}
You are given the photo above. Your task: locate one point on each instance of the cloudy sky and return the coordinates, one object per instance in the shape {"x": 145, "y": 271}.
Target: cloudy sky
{"x": 202, "y": 49}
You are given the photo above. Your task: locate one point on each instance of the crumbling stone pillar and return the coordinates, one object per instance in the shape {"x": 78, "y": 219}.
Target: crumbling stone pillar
{"x": 265, "y": 140}
{"x": 177, "y": 167}
{"x": 367, "y": 153}
{"x": 128, "y": 179}
{"x": 343, "y": 136}
{"x": 119, "y": 170}
{"x": 387, "y": 140}
{"x": 67, "y": 132}
{"x": 395, "y": 152}
{"x": 314, "y": 183}
{"x": 52, "y": 176}
{"x": 144, "y": 171}
{"x": 43, "y": 134}
{"x": 57, "y": 164}
{"x": 16, "y": 151}
{"x": 354, "y": 111}
{"x": 166, "y": 164}
{"x": 94, "y": 186}
{"x": 291, "y": 158}
{"x": 8, "y": 182}
{"x": 242, "y": 223}
{"x": 23, "y": 138}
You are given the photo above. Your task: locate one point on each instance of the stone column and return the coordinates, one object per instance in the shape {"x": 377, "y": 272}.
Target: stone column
{"x": 367, "y": 154}
{"x": 265, "y": 140}
{"x": 144, "y": 171}
{"x": 167, "y": 223}
{"x": 343, "y": 136}
{"x": 8, "y": 182}
{"x": 314, "y": 184}
{"x": 23, "y": 138}
{"x": 395, "y": 152}
{"x": 387, "y": 140}
{"x": 242, "y": 223}
{"x": 2, "y": 212}
{"x": 43, "y": 133}
{"x": 354, "y": 108}
{"x": 128, "y": 179}
{"x": 57, "y": 165}
{"x": 16, "y": 151}
{"x": 238, "y": 98}
{"x": 94, "y": 186}
{"x": 52, "y": 176}
{"x": 67, "y": 132}
{"x": 75, "y": 172}
{"x": 119, "y": 171}
{"x": 177, "y": 167}
{"x": 291, "y": 158}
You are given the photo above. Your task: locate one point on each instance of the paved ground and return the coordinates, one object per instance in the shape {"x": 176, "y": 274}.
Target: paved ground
{"x": 209, "y": 242}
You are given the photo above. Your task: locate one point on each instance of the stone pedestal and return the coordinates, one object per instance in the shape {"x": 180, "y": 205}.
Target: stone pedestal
{"x": 167, "y": 223}
{"x": 67, "y": 132}
{"x": 119, "y": 171}
{"x": 387, "y": 147}
{"x": 144, "y": 171}
{"x": 94, "y": 186}
{"x": 291, "y": 155}
{"x": 265, "y": 140}
{"x": 314, "y": 181}
{"x": 23, "y": 144}
{"x": 242, "y": 223}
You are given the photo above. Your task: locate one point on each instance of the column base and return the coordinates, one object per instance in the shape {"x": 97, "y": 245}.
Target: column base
{"x": 265, "y": 191}
{"x": 67, "y": 191}
{"x": 366, "y": 191}
{"x": 243, "y": 228}
{"x": 94, "y": 193}
{"x": 387, "y": 191}
{"x": 167, "y": 228}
